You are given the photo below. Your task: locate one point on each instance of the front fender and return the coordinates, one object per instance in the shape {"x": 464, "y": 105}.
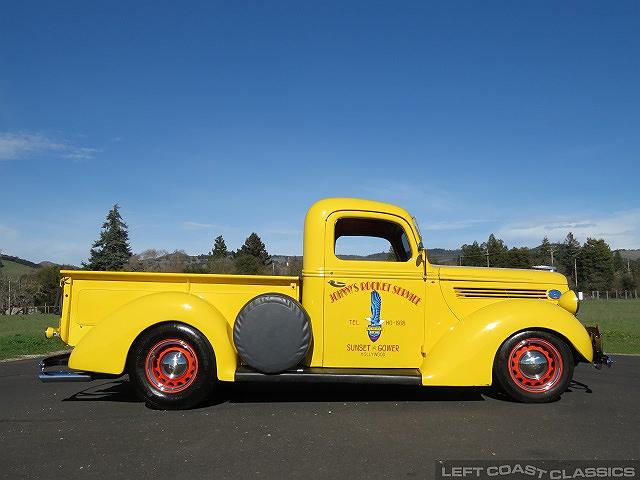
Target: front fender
{"x": 465, "y": 354}
{"x": 105, "y": 347}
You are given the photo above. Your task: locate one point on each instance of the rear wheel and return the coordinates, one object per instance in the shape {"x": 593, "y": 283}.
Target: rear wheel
{"x": 534, "y": 367}
{"x": 172, "y": 366}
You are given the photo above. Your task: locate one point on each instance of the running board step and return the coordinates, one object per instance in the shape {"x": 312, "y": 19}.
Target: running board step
{"x": 385, "y": 376}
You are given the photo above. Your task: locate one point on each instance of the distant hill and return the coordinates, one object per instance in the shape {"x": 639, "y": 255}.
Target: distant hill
{"x": 630, "y": 254}
{"x": 19, "y": 260}
{"x": 13, "y": 269}
{"x": 442, "y": 256}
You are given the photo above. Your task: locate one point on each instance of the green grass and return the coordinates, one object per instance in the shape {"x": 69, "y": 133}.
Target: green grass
{"x": 15, "y": 270}
{"x": 619, "y": 322}
{"x": 24, "y": 335}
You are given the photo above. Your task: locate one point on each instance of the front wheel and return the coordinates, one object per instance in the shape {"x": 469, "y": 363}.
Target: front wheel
{"x": 172, "y": 366}
{"x": 534, "y": 367}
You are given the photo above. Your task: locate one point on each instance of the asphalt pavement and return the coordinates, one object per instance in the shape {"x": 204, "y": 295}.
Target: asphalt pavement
{"x": 100, "y": 430}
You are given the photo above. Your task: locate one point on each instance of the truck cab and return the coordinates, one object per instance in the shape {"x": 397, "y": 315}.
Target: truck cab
{"x": 373, "y": 308}
{"x": 369, "y": 307}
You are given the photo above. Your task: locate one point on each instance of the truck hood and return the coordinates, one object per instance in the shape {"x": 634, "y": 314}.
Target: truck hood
{"x": 502, "y": 275}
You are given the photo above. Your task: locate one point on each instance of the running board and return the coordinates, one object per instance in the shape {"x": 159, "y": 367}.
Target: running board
{"x": 385, "y": 376}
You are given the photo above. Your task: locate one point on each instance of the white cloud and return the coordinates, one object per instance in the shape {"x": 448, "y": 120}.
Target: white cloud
{"x": 7, "y": 232}
{"x": 619, "y": 229}
{"x": 14, "y": 146}
{"x": 189, "y": 225}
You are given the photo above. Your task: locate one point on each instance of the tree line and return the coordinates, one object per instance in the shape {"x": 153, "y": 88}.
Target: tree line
{"x": 112, "y": 251}
{"x": 589, "y": 266}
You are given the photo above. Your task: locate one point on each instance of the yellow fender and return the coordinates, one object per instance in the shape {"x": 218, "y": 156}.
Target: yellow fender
{"x": 105, "y": 347}
{"x": 465, "y": 354}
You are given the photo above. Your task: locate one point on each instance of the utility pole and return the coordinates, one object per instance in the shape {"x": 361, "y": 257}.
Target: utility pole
{"x": 575, "y": 270}
{"x": 551, "y": 250}
{"x": 487, "y": 255}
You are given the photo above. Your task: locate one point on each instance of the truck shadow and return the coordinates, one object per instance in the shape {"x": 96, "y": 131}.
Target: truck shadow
{"x": 259, "y": 393}
{"x": 120, "y": 391}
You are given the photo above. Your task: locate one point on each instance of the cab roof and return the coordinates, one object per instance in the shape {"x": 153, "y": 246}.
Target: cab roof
{"x": 325, "y": 207}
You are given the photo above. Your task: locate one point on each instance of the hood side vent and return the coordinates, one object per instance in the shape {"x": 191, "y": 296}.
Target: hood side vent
{"x": 472, "y": 292}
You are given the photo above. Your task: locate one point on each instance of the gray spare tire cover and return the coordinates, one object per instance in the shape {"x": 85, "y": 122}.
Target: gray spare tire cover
{"x": 272, "y": 333}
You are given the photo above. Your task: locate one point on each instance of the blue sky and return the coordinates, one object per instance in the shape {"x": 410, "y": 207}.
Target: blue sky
{"x": 519, "y": 118}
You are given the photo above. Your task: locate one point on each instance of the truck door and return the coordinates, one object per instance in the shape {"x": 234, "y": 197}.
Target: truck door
{"x": 374, "y": 292}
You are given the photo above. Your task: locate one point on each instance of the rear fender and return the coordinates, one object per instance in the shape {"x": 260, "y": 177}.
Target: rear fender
{"x": 105, "y": 347}
{"x": 465, "y": 354}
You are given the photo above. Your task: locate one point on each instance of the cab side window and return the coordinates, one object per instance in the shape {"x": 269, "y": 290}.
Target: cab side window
{"x": 371, "y": 240}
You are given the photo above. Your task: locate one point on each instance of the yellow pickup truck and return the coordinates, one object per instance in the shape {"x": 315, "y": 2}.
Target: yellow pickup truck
{"x": 394, "y": 319}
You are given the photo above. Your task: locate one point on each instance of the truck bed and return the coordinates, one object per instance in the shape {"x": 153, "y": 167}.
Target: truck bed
{"x": 90, "y": 297}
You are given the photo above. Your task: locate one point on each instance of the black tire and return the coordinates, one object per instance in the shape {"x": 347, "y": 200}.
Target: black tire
{"x": 185, "y": 377}
{"x": 534, "y": 366}
{"x": 272, "y": 333}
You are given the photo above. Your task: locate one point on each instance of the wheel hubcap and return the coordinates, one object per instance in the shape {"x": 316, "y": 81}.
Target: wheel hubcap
{"x": 171, "y": 365}
{"x": 174, "y": 364}
{"x": 535, "y": 365}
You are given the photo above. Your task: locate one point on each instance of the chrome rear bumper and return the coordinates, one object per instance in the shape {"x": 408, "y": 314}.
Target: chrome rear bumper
{"x": 61, "y": 360}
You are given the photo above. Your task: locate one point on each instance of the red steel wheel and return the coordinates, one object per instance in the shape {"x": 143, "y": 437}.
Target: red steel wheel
{"x": 171, "y": 365}
{"x": 535, "y": 365}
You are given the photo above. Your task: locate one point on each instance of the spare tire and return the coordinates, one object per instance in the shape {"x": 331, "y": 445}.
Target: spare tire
{"x": 272, "y": 333}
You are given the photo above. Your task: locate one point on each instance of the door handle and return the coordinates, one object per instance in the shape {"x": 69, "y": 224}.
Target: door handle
{"x": 333, "y": 283}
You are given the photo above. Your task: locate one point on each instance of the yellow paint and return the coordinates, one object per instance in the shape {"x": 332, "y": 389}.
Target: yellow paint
{"x": 464, "y": 354}
{"x": 108, "y": 310}
{"x": 446, "y": 321}
{"x": 569, "y": 301}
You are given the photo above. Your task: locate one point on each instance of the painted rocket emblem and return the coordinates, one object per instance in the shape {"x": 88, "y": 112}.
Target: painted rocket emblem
{"x": 374, "y": 330}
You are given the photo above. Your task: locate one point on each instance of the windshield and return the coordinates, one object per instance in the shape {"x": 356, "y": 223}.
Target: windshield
{"x": 417, "y": 228}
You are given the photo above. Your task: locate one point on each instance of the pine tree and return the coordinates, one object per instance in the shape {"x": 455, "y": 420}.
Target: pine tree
{"x": 496, "y": 250}
{"x": 543, "y": 253}
{"x": 219, "y": 261}
{"x": 472, "y": 255}
{"x": 597, "y": 265}
{"x": 111, "y": 251}
{"x": 246, "y": 264}
{"x": 252, "y": 257}
{"x": 569, "y": 252}
{"x": 219, "y": 248}
{"x": 253, "y": 246}
{"x": 618, "y": 263}
{"x": 518, "y": 258}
